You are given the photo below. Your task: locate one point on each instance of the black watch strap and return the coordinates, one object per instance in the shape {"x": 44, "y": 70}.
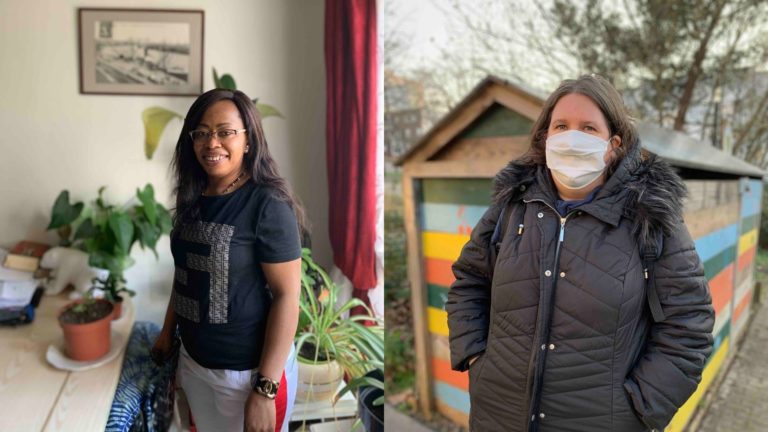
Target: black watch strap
{"x": 264, "y": 386}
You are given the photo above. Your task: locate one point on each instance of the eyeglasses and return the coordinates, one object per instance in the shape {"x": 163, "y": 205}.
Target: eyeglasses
{"x": 201, "y": 136}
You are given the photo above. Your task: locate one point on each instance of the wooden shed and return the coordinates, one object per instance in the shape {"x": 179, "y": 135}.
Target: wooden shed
{"x": 447, "y": 184}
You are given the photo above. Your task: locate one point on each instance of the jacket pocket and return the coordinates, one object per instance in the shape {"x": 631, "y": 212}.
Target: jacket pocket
{"x": 475, "y": 370}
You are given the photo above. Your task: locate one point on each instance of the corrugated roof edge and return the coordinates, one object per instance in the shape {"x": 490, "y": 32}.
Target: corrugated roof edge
{"x": 684, "y": 151}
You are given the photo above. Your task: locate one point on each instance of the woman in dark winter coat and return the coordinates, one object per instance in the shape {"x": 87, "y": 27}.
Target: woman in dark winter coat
{"x": 580, "y": 303}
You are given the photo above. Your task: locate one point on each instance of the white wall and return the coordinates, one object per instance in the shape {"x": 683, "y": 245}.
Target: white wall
{"x": 53, "y": 138}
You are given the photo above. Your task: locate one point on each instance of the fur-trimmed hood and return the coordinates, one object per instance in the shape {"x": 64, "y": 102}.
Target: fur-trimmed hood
{"x": 643, "y": 189}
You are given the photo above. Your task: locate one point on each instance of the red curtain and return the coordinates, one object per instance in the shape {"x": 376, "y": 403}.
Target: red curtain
{"x": 350, "y": 63}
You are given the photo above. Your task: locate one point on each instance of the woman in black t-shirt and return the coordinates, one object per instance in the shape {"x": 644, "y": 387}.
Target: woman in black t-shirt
{"x": 236, "y": 248}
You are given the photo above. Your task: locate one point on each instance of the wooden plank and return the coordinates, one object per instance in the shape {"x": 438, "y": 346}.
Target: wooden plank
{"x": 695, "y": 199}
{"x": 441, "y": 347}
{"x": 459, "y": 417}
{"x": 458, "y": 169}
{"x": 451, "y": 218}
{"x": 443, "y": 245}
{"x": 437, "y": 295}
{"x": 455, "y": 398}
{"x": 517, "y": 102}
{"x": 716, "y": 242}
{"x": 497, "y": 121}
{"x": 442, "y": 371}
{"x": 721, "y": 289}
{"x": 438, "y": 321}
{"x": 488, "y": 148}
{"x": 705, "y": 221}
{"x": 49, "y": 398}
{"x": 475, "y": 192}
{"x": 747, "y": 241}
{"x": 418, "y": 297}
{"x": 446, "y": 132}
{"x": 439, "y": 271}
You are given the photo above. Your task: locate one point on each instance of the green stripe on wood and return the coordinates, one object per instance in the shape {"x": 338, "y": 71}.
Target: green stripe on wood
{"x": 717, "y": 263}
{"x": 749, "y": 223}
{"x": 457, "y": 191}
{"x": 437, "y": 295}
{"x": 497, "y": 121}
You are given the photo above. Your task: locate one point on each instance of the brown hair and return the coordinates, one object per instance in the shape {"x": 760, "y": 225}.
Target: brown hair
{"x": 605, "y": 96}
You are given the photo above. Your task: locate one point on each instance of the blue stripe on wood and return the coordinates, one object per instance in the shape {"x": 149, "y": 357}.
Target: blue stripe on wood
{"x": 452, "y": 396}
{"x": 713, "y": 243}
{"x": 750, "y": 200}
{"x": 449, "y": 218}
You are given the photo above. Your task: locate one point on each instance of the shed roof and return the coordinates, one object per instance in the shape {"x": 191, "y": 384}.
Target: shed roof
{"x": 678, "y": 148}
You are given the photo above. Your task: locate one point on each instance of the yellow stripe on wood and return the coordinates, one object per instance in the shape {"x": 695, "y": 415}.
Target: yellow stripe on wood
{"x": 438, "y": 321}
{"x": 443, "y": 245}
{"x": 680, "y": 420}
{"x": 747, "y": 241}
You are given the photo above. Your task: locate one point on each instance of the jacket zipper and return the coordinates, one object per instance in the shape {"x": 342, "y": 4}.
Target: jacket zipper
{"x": 541, "y": 360}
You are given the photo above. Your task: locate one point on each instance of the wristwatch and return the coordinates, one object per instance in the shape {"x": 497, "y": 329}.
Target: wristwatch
{"x": 264, "y": 386}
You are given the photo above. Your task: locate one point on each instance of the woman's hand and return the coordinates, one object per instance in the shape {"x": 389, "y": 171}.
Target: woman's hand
{"x": 162, "y": 349}
{"x": 260, "y": 414}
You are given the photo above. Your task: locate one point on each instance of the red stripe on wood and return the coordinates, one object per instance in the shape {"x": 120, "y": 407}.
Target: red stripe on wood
{"x": 747, "y": 257}
{"x": 742, "y": 305}
{"x": 438, "y": 271}
{"x": 442, "y": 371}
{"x": 721, "y": 288}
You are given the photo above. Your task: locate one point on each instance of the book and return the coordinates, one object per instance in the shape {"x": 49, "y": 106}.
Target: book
{"x": 25, "y": 256}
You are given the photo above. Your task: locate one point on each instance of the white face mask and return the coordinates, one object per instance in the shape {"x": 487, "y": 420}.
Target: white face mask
{"x": 575, "y": 158}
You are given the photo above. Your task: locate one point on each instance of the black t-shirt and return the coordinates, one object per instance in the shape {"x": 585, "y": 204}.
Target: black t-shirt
{"x": 220, "y": 294}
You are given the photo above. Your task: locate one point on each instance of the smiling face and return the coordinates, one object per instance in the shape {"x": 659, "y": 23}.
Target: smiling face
{"x": 221, "y": 159}
{"x": 576, "y": 111}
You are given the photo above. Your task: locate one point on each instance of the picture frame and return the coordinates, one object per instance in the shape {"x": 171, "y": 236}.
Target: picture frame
{"x": 155, "y": 52}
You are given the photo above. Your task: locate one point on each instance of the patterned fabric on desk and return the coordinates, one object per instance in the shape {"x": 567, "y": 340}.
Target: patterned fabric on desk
{"x": 144, "y": 396}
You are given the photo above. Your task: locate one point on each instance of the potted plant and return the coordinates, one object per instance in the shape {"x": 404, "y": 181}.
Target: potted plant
{"x": 330, "y": 345}
{"x": 107, "y": 233}
{"x": 86, "y": 327}
{"x": 370, "y": 399}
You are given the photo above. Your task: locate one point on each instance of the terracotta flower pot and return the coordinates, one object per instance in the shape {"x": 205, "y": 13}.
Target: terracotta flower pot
{"x": 118, "y": 308}
{"x": 89, "y": 340}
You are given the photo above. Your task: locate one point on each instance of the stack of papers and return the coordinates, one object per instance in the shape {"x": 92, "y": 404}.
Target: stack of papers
{"x": 16, "y": 286}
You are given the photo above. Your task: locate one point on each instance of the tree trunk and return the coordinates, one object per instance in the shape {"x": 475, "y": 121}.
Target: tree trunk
{"x": 695, "y": 70}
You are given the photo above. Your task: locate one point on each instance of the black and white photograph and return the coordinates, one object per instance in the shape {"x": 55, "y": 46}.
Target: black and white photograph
{"x": 126, "y": 51}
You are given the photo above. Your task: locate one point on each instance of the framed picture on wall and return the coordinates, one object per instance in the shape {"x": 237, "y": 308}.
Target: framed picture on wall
{"x": 141, "y": 51}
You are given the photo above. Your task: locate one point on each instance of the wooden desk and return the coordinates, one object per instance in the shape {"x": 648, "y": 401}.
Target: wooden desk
{"x": 35, "y": 396}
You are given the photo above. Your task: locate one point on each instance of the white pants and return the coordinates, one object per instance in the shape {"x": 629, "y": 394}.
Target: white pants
{"x": 217, "y": 397}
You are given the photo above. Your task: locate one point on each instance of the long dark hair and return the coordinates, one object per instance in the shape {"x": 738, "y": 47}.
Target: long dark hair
{"x": 191, "y": 179}
{"x": 607, "y": 98}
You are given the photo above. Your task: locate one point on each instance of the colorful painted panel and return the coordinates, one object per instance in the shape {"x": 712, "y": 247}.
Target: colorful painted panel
{"x": 447, "y": 212}
{"x": 749, "y": 227}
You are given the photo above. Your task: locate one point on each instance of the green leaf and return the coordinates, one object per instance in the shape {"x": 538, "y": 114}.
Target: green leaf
{"x": 227, "y": 82}
{"x": 155, "y": 120}
{"x": 164, "y": 219}
{"x": 122, "y": 228}
{"x": 147, "y": 235}
{"x": 268, "y": 110}
{"x": 64, "y": 213}
{"x": 86, "y": 230}
{"x": 216, "y": 80}
{"x": 147, "y": 197}
{"x": 223, "y": 82}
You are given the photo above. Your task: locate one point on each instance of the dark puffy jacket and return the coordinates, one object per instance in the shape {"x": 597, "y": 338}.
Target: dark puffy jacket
{"x": 561, "y": 321}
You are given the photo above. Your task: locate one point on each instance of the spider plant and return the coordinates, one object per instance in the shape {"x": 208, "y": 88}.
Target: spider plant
{"x": 325, "y": 334}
